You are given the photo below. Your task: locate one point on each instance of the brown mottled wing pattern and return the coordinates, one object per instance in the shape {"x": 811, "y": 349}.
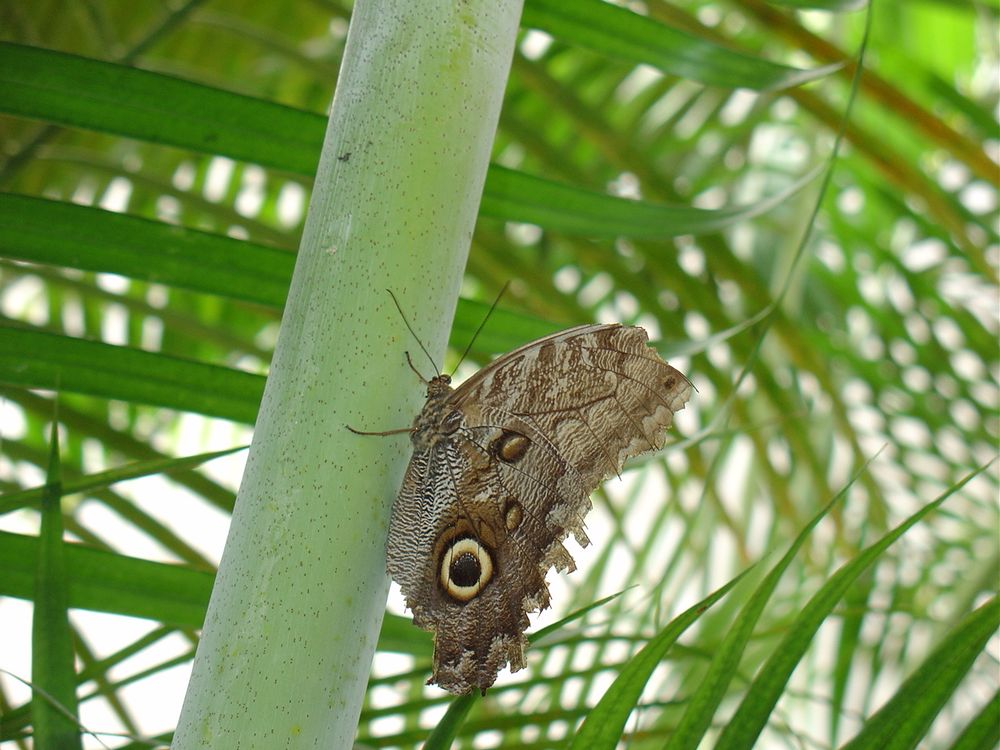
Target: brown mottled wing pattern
{"x": 501, "y": 474}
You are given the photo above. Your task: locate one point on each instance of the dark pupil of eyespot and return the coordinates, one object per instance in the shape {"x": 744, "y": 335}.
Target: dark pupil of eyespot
{"x": 465, "y": 570}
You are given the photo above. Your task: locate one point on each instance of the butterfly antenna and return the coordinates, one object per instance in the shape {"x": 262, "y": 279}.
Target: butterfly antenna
{"x": 487, "y": 317}
{"x": 412, "y": 333}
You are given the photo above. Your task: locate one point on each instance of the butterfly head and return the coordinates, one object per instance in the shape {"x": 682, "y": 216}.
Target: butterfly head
{"x": 438, "y": 386}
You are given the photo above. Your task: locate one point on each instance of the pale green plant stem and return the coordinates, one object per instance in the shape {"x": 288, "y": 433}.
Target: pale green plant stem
{"x": 297, "y": 606}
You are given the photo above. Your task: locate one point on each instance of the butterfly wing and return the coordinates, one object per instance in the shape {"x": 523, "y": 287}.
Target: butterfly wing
{"x": 478, "y": 614}
{"x": 515, "y": 453}
{"x": 599, "y": 394}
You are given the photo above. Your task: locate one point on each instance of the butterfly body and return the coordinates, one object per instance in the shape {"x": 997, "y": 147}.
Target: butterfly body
{"x": 430, "y": 425}
{"x": 501, "y": 473}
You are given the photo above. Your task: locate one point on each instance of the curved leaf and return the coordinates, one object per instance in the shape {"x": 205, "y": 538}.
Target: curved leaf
{"x": 903, "y": 721}
{"x": 521, "y": 197}
{"x": 171, "y": 594}
{"x": 602, "y": 728}
{"x": 14, "y": 500}
{"x": 618, "y": 32}
{"x": 983, "y": 730}
{"x": 81, "y": 92}
{"x": 762, "y": 695}
{"x": 705, "y": 701}
{"x": 65, "y": 234}
{"x": 139, "y": 104}
{"x": 43, "y": 360}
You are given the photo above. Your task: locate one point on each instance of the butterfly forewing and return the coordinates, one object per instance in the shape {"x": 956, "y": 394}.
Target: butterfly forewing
{"x": 501, "y": 474}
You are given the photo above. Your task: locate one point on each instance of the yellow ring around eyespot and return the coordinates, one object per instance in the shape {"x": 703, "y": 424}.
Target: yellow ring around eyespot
{"x": 482, "y": 555}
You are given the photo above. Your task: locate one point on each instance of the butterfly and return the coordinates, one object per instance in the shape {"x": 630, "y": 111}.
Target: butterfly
{"x": 501, "y": 474}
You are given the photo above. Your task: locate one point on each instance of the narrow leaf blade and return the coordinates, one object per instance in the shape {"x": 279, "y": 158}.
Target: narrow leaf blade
{"x": 53, "y": 670}
{"x": 603, "y": 726}
{"x": 904, "y": 720}
{"x": 762, "y": 695}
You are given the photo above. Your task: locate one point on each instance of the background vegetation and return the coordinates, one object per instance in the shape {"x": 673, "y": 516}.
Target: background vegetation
{"x": 657, "y": 170}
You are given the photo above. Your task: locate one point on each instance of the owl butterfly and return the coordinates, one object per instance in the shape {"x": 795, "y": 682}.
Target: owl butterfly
{"x": 501, "y": 473}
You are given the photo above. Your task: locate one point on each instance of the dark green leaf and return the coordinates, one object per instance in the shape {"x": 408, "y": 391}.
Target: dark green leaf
{"x": 65, "y": 234}
{"x": 705, "y": 701}
{"x": 171, "y": 594}
{"x": 53, "y": 668}
{"x": 138, "y": 104}
{"x": 43, "y": 360}
{"x": 617, "y": 32}
{"x": 85, "y": 93}
{"x": 983, "y": 730}
{"x": 904, "y": 720}
{"x": 14, "y": 500}
{"x": 443, "y": 736}
{"x": 833, "y": 5}
{"x": 761, "y": 697}
{"x": 604, "y": 724}
{"x": 516, "y": 196}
